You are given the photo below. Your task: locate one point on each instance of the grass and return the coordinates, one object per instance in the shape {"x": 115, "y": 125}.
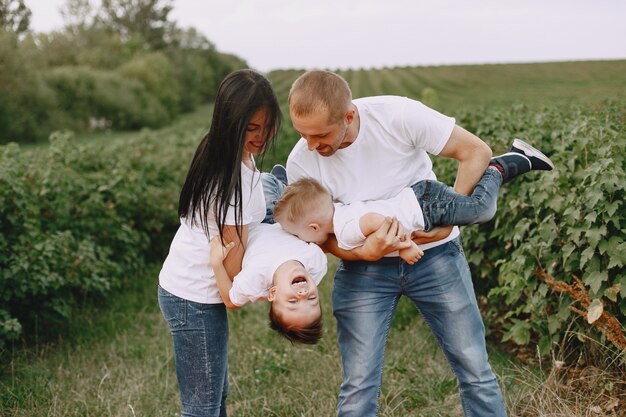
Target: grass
{"x": 116, "y": 360}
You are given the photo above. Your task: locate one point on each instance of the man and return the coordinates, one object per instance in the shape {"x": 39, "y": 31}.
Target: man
{"x": 370, "y": 149}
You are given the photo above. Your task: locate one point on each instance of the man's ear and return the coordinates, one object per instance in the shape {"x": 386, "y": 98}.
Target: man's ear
{"x": 271, "y": 294}
{"x": 315, "y": 227}
{"x": 350, "y": 115}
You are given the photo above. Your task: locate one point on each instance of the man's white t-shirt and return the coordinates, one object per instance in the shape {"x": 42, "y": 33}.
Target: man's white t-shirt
{"x": 346, "y": 220}
{"x": 269, "y": 246}
{"x": 390, "y": 153}
{"x": 186, "y": 272}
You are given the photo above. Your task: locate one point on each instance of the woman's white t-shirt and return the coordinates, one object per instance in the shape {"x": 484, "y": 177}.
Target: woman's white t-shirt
{"x": 186, "y": 272}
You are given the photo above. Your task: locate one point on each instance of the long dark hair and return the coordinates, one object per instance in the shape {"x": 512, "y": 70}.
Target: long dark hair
{"x": 214, "y": 176}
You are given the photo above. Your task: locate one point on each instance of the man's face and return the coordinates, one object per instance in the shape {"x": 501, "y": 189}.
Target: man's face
{"x": 295, "y": 294}
{"x": 321, "y": 137}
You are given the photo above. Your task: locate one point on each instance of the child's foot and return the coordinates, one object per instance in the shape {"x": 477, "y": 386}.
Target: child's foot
{"x": 538, "y": 161}
{"x": 279, "y": 172}
{"x": 520, "y": 159}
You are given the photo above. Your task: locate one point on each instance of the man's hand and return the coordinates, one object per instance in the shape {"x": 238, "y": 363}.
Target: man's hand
{"x": 437, "y": 233}
{"x": 219, "y": 251}
{"x": 389, "y": 237}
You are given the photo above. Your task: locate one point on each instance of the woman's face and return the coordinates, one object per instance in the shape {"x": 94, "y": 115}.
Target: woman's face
{"x": 257, "y": 133}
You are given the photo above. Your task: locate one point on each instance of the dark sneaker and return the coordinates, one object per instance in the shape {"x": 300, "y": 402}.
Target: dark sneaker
{"x": 279, "y": 172}
{"x": 538, "y": 161}
{"x": 511, "y": 164}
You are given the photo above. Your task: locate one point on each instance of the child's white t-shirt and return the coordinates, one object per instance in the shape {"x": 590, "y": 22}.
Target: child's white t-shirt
{"x": 404, "y": 207}
{"x": 269, "y": 246}
{"x": 390, "y": 153}
{"x": 186, "y": 272}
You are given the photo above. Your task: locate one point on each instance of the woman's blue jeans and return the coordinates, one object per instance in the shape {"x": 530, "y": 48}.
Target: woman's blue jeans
{"x": 365, "y": 296}
{"x": 200, "y": 333}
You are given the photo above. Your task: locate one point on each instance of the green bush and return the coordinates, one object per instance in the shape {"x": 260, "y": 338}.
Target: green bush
{"x": 155, "y": 72}
{"x": 570, "y": 222}
{"x": 85, "y": 94}
{"x": 77, "y": 221}
{"x": 27, "y": 105}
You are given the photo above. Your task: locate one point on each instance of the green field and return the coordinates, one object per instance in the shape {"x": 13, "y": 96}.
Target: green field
{"x": 97, "y": 345}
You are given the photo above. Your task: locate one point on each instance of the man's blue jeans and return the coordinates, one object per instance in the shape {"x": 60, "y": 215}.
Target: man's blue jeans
{"x": 200, "y": 333}
{"x": 365, "y": 296}
{"x": 442, "y": 206}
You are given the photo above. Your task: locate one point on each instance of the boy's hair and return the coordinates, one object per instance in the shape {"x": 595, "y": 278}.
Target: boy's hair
{"x": 320, "y": 90}
{"x": 298, "y": 199}
{"x": 308, "y": 335}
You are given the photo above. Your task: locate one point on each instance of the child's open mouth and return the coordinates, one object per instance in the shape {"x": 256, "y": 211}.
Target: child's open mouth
{"x": 299, "y": 282}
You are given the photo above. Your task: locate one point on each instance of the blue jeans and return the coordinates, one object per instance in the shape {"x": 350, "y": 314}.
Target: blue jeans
{"x": 365, "y": 296}
{"x": 200, "y": 333}
{"x": 272, "y": 190}
{"x": 442, "y": 206}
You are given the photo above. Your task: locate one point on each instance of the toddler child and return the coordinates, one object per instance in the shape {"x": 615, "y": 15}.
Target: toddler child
{"x": 281, "y": 268}
{"x": 306, "y": 208}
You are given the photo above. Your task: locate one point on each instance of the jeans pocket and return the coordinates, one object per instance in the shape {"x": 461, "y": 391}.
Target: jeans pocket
{"x": 173, "y": 308}
{"x": 456, "y": 244}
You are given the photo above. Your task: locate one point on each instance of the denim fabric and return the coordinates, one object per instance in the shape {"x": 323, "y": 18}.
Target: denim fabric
{"x": 442, "y": 206}
{"x": 272, "y": 189}
{"x": 200, "y": 333}
{"x": 365, "y": 296}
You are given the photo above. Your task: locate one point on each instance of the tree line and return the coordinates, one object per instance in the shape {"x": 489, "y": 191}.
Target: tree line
{"x": 120, "y": 65}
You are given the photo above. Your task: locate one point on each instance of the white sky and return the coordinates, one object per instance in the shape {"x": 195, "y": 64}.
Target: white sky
{"x": 273, "y": 34}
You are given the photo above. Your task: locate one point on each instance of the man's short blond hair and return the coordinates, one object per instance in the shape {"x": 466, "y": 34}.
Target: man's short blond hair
{"x": 299, "y": 199}
{"x": 319, "y": 90}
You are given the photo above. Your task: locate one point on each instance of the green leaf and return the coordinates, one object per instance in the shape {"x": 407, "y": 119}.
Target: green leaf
{"x": 519, "y": 332}
{"x": 595, "y": 279}
{"x": 595, "y": 235}
{"x": 585, "y": 256}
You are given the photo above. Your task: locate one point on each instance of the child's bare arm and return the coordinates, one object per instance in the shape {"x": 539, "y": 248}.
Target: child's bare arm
{"x": 383, "y": 241}
{"x": 411, "y": 254}
{"x": 370, "y": 222}
{"x": 224, "y": 283}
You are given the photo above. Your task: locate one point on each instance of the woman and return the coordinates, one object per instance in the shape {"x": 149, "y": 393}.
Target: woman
{"x": 222, "y": 195}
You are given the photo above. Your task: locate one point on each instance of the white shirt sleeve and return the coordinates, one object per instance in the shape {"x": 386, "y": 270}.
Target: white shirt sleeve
{"x": 426, "y": 128}
{"x": 248, "y": 287}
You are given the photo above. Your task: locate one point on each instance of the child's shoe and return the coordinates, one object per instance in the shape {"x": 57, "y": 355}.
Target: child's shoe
{"x": 520, "y": 159}
{"x": 538, "y": 160}
{"x": 280, "y": 173}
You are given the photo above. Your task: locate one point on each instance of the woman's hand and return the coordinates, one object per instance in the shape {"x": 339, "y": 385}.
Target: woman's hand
{"x": 437, "y": 233}
{"x": 219, "y": 251}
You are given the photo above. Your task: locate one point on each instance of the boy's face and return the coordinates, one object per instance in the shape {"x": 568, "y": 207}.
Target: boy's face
{"x": 294, "y": 294}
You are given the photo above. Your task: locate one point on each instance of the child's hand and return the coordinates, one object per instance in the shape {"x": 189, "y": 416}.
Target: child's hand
{"x": 219, "y": 251}
{"x": 411, "y": 254}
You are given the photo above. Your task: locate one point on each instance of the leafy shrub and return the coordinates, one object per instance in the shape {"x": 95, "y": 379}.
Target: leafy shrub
{"x": 155, "y": 72}
{"x": 79, "y": 220}
{"x": 569, "y": 223}
{"x": 85, "y": 93}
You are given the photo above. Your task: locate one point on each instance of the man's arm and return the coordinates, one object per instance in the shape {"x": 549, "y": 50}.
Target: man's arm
{"x": 473, "y": 155}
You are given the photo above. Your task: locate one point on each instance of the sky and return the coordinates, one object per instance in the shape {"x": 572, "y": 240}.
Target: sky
{"x": 339, "y": 34}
